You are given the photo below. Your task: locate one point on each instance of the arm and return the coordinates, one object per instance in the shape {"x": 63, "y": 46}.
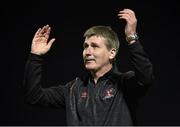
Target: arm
{"x": 35, "y": 94}
{"x": 143, "y": 68}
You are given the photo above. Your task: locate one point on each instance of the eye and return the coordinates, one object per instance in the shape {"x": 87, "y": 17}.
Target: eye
{"x": 85, "y": 45}
{"x": 94, "y": 45}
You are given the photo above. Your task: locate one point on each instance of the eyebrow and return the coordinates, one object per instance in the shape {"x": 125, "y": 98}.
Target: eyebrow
{"x": 92, "y": 43}
{"x": 85, "y": 43}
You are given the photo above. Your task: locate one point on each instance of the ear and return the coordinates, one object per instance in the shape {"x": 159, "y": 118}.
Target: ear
{"x": 112, "y": 54}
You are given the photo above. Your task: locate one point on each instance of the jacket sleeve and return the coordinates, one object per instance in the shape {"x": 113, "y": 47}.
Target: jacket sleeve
{"x": 137, "y": 82}
{"x": 34, "y": 93}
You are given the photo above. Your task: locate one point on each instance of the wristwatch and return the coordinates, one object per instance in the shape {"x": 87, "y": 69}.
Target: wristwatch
{"x": 132, "y": 37}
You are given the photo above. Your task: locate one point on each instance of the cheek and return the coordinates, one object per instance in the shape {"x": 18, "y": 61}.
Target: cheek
{"x": 100, "y": 57}
{"x": 105, "y": 57}
{"x": 83, "y": 53}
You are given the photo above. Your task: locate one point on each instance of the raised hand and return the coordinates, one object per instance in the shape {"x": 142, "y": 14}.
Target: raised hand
{"x": 40, "y": 44}
{"x": 131, "y": 20}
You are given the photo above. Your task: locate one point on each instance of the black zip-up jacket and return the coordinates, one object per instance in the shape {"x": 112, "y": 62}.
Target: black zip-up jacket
{"x": 109, "y": 102}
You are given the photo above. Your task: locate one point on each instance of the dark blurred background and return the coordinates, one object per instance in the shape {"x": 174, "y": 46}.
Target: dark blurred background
{"x": 158, "y": 28}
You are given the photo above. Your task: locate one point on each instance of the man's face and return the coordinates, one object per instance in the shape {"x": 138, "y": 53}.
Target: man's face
{"x": 95, "y": 54}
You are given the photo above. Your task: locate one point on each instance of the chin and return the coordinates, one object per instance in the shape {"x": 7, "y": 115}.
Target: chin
{"x": 90, "y": 68}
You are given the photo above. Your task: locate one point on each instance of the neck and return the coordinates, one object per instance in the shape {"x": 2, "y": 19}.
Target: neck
{"x": 97, "y": 74}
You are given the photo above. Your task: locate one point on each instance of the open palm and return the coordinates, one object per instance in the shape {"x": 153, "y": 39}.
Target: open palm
{"x": 40, "y": 44}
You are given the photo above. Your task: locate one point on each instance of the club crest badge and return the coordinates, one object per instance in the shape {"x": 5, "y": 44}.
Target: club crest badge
{"x": 84, "y": 94}
{"x": 109, "y": 93}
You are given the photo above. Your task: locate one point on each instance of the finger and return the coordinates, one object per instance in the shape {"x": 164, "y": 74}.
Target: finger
{"x": 48, "y": 30}
{"x": 44, "y": 29}
{"x": 37, "y": 32}
{"x": 46, "y": 35}
{"x": 51, "y": 42}
{"x": 124, "y": 16}
{"x": 127, "y": 11}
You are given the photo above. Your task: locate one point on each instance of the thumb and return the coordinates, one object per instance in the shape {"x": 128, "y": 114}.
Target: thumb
{"x": 51, "y": 42}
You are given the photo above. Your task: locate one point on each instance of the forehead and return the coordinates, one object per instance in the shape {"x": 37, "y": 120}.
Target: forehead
{"x": 95, "y": 39}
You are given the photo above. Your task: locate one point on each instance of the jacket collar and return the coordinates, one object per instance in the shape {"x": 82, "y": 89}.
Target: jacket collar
{"x": 113, "y": 75}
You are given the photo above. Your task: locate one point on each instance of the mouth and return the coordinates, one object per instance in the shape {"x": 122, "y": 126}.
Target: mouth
{"x": 89, "y": 60}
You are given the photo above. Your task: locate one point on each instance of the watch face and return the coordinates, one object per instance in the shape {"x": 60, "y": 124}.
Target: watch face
{"x": 132, "y": 37}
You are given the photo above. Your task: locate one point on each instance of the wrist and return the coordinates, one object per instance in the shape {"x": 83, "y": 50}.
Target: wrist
{"x": 36, "y": 53}
{"x": 132, "y": 38}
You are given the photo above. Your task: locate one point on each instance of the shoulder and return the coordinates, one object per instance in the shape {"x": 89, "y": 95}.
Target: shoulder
{"x": 128, "y": 74}
{"x": 124, "y": 75}
{"x": 73, "y": 83}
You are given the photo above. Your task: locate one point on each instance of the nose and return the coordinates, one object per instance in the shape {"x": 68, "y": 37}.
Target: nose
{"x": 88, "y": 51}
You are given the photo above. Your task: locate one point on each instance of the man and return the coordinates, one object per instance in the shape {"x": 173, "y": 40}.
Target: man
{"x": 103, "y": 95}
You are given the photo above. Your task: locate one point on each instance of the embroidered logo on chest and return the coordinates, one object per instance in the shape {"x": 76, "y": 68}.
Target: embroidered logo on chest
{"x": 109, "y": 93}
{"x": 83, "y": 94}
